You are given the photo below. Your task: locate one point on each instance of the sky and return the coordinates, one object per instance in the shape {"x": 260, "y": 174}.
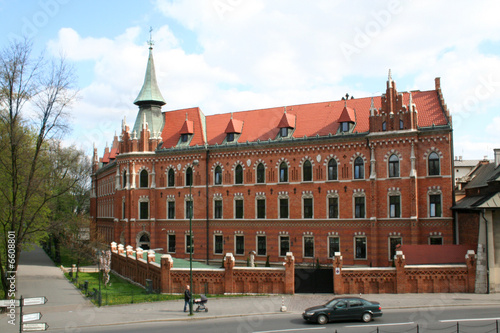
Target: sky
{"x": 235, "y": 55}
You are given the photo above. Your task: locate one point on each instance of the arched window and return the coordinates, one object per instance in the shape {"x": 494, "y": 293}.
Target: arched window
{"x": 401, "y": 124}
{"x": 261, "y": 173}
{"x": 283, "y": 172}
{"x": 307, "y": 172}
{"x": 359, "y": 169}
{"x": 384, "y": 126}
{"x": 332, "y": 169}
{"x": 433, "y": 164}
{"x": 124, "y": 179}
{"x": 171, "y": 178}
{"x": 144, "y": 242}
{"x": 393, "y": 166}
{"x": 238, "y": 174}
{"x": 218, "y": 175}
{"x": 189, "y": 176}
{"x": 143, "y": 178}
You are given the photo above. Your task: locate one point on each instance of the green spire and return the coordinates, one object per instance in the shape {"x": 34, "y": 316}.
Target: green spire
{"x": 150, "y": 93}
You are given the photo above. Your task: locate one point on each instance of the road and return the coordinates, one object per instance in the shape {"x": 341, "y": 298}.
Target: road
{"x": 470, "y": 319}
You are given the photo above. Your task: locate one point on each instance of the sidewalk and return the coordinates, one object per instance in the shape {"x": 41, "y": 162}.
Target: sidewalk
{"x": 67, "y": 308}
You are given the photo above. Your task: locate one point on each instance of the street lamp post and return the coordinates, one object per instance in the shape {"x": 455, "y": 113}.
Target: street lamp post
{"x": 191, "y": 210}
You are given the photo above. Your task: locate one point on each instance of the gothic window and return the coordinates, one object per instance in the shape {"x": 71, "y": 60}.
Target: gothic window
{"x": 395, "y": 206}
{"x": 393, "y": 166}
{"x": 218, "y": 175}
{"x": 189, "y": 176}
{"x": 283, "y": 208}
{"x": 238, "y": 174}
{"x": 433, "y": 162}
{"x": 384, "y": 126}
{"x": 307, "y": 208}
{"x": 143, "y": 178}
{"x": 124, "y": 179}
{"x": 359, "y": 207}
{"x": 332, "y": 169}
{"x": 261, "y": 173}
{"x": 333, "y": 246}
{"x": 360, "y": 247}
{"x": 171, "y": 178}
{"x": 218, "y": 244}
{"x": 143, "y": 210}
{"x": 189, "y": 209}
{"x": 261, "y": 208}
{"x": 171, "y": 243}
{"x": 239, "y": 244}
{"x": 283, "y": 172}
{"x": 333, "y": 208}
{"x": 307, "y": 171}
{"x": 308, "y": 247}
{"x": 435, "y": 205}
{"x": 359, "y": 170}
{"x": 261, "y": 246}
{"x": 238, "y": 208}
{"x": 171, "y": 209}
{"x": 401, "y": 124}
{"x": 284, "y": 245}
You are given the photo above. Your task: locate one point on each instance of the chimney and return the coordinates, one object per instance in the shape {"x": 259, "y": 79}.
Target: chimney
{"x": 497, "y": 157}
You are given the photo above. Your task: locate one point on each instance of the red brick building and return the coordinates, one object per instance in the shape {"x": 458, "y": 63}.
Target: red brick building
{"x": 357, "y": 176}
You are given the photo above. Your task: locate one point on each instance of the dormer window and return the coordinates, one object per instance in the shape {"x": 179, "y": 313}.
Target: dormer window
{"x": 184, "y": 137}
{"x": 284, "y": 132}
{"x": 345, "y": 126}
{"x": 186, "y": 131}
{"x": 347, "y": 119}
{"x": 233, "y": 129}
{"x": 230, "y": 137}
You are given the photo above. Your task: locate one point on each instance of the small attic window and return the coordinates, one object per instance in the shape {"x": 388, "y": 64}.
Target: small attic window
{"x": 344, "y": 126}
{"x": 184, "y": 137}
{"x": 230, "y": 137}
{"x": 284, "y": 132}
{"x": 384, "y": 126}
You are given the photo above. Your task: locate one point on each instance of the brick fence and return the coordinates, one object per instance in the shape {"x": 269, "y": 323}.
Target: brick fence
{"x": 266, "y": 280}
{"x": 405, "y": 278}
{"x": 227, "y": 280}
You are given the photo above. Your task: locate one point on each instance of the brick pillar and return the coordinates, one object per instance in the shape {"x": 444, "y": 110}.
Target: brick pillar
{"x": 400, "y": 263}
{"x": 229, "y": 274}
{"x": 151, "y": 256}
{"x": 166, "y": 267}
{"x": 129, "y": 250}
{"x": 338, "y": 281}
{"x": 113, "y": 247}
{"x": 139, "y": 253}
{"x": 120, "y": 249}
{"x": 289, "y": 273}
{"x": 471, "y": 261}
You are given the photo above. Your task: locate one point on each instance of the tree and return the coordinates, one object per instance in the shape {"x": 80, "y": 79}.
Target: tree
{"x": 34, "y": 97}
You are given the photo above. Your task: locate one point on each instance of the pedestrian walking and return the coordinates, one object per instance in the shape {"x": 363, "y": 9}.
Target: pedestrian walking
{"x": 187, "y": 297}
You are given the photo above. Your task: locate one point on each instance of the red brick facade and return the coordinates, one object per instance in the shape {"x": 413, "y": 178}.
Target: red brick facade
{"x": 363, "y": 173}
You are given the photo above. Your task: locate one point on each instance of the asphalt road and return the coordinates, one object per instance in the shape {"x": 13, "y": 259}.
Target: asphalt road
{"x": 470, "y": 319}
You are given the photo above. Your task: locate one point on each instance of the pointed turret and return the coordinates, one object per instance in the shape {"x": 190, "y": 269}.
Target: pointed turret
{"x": 149, "y": 100}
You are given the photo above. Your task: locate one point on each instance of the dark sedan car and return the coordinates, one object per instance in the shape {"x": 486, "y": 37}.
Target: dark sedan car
{"x": 343, "y": 308}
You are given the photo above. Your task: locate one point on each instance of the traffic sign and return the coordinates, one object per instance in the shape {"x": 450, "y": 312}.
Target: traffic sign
{"x": 35, "y": 327}
{"x": 32, "y": 316}
{"x": 8, "y": 302}
{"x": 34, "y": 301}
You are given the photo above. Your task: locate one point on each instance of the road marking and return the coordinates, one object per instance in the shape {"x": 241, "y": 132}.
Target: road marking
{"x": 292, "y": 329}
{"x": 472, "y": 319}
{"x": 378, "y": 325}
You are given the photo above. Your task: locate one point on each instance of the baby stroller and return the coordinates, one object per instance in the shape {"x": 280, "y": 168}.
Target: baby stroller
{"x": 201, "y": 303}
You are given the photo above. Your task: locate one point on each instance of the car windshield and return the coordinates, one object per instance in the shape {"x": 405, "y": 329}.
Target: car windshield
{"x": 332, "y": 303}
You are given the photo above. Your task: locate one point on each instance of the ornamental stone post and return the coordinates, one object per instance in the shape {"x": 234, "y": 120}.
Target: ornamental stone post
{"x": 338, "y": 281}
{"x": 400, "y": 263}
{"x": 229, "y": 273}
{"x": 167, "y": 263}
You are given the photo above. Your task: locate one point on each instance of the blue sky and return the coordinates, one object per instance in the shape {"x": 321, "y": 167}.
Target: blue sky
{"x": 233, "y": 55}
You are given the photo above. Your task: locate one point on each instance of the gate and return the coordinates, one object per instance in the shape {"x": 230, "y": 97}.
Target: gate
{"x": 313, "y": 280}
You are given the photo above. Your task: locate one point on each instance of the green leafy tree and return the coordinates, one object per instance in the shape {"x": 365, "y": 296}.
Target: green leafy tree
{"x": 34, "y": 97}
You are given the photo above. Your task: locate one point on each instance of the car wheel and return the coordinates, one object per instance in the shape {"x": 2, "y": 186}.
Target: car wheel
{"x": 322, "y": 319}
{"x": 367, "y": 317}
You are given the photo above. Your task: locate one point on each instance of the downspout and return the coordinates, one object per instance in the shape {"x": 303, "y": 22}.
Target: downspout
{"x": 487, "y": 256}
{"x": 206, "y": 202}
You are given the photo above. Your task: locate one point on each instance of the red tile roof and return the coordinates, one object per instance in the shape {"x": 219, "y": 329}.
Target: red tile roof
{"x": 234, "y": 126}
{"x": 310, "y": 119}
{"x": 435, "y": 254}
{"x": 187, "y": 127}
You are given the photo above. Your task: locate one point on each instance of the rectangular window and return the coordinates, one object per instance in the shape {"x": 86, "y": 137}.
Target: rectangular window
{"x": 189, "y": 243}
{"x": 435, "y": 205}
{"x": 308, "y": 208}
{"x": 393, "y": 243}
{"x": 333, "y": 208}
{"x": 144, "y": 210}
{"x": 284, "y": 245}
{"x": 359, "y": 207}
{"x": 333, "y": 246}
{"x": 394, "y": 206}
{"x": 171, "y": 243}
{"x": 261, "y": 246}
{"x": 189, "y": 209}
{"x": 240, "y": 244}
{"x": 308, "y": 247}
{"x": 436, "y": 240}
{"x": 219, "y": 244}
{"x": 217, "y": 209}
{"x": 238, "y": 209}
{"x": 261, "y": 208}
{"x": 171, "y": 209}
{"x": 360, "y": 247}
{"x": 283, "y": 208}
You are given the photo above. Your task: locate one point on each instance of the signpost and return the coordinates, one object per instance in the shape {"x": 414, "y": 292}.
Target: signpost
{"x": 35, "y": 301}
{"x": 31, "y": 316}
